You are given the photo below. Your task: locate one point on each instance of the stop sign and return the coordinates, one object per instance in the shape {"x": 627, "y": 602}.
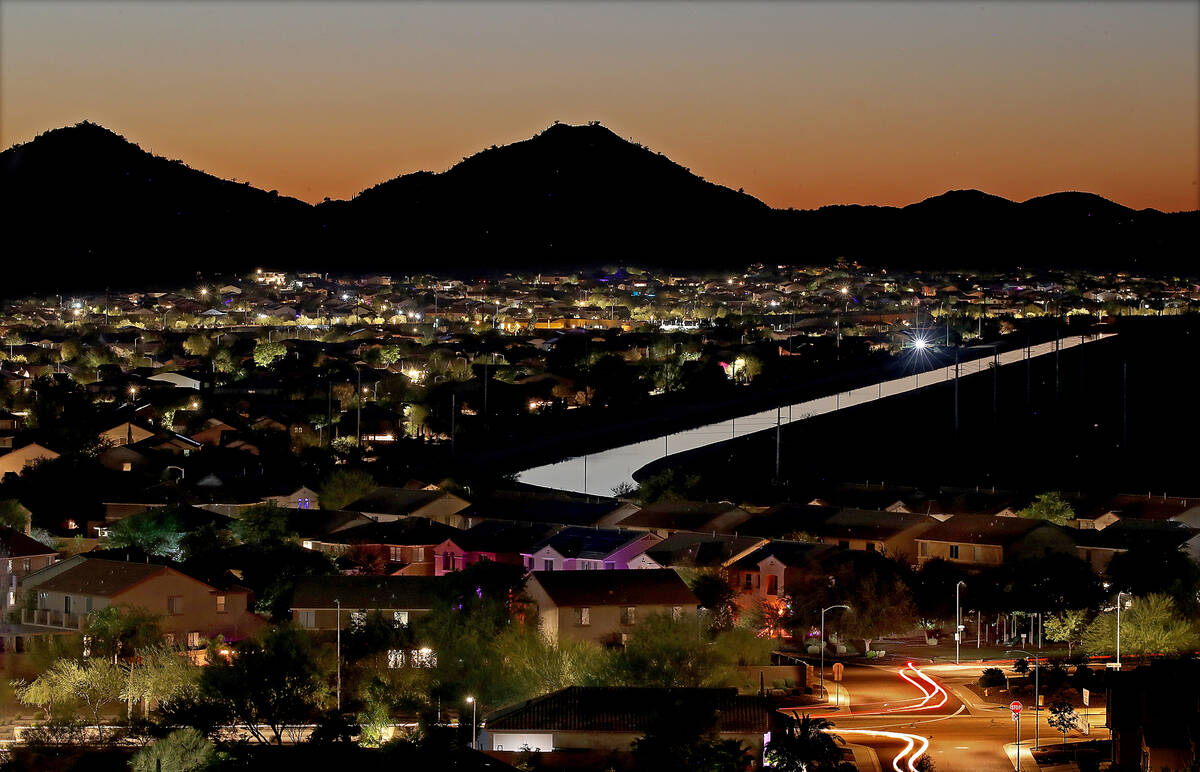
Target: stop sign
{"x": 1015, "y": 706}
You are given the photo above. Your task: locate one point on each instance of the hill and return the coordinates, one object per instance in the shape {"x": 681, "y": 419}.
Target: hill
{"x": 87, "y": 209}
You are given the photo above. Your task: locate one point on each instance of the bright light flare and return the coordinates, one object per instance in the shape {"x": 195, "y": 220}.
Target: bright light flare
{"x": 920, "y": 344}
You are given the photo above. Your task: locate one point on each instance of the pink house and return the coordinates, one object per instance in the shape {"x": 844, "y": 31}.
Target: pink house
{"x": 580, "y": 549}
{"x": 499, "y": 541}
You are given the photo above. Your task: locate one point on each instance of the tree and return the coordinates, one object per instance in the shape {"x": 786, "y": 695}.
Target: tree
{"x": 1051, "y": 507}
{"x": 263, "y": 523}
{"x": 92, "y": 683}
{"x": 669, "y": 652}
{"x": 682, "y": 738}
{"x": 276, "y": 679}
{"x": 156, "y": 531}
{"x": 933, "y": 591}
{"x": 161, "y": 675}
{"x": 1145, "y": 569}
{"x": 198, "y": 345}
{"x": 881, "y": 606}
{"x": 122, "y": 630}
{"x": 805, "y": 746}
{"x": 1067, "y": 627}
{"x": 716, "y": 595}
{"x": 267, "y": 352}
{"x": 1150, "y": 625}
{"x": 13, "y": 514}
{"x": 343, "y": 486}
{"x": 184, "y": 750}
{"x": 991, "y": 677}
{"x": 1063, "y": 718}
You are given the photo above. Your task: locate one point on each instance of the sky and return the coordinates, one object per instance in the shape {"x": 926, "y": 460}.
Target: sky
{"x": 803, "y": 104}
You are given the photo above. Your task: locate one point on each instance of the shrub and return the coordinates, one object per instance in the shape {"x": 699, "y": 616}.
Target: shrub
{"x": 184, "y": 750}
{"x": 991, "y": 676}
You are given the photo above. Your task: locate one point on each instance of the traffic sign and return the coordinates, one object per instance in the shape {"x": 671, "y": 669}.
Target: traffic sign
{"x": 1015, "y": 706}
{"x": 838, "y": 668}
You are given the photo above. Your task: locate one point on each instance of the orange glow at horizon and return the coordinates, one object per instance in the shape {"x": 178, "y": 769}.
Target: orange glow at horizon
{"x": 802, "y": 105}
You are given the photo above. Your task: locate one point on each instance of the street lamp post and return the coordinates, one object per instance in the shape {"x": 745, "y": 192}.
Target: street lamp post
{"x": 1036, "y": 726}
{"x": 957, "y": 620}
{"x": 473, "y": 725}
{"x": 822, "y": 647}
{"x": 337, "y": 602}
{"x": 1119, "y": 594}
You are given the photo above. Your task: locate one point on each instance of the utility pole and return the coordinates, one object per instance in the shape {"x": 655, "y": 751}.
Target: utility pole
{"x": 338, "y": 603}
{"x": 1124, "y": 404}
{"x": 778, "y": 440}
{"x": 453, "y": 418}
{"x": 956, "y": 391}
{"x": 358, "y": 418}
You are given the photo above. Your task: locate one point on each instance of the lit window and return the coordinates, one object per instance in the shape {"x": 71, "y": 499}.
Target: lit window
{"x": 395, "y": 659}
{"x": 193, "y": 640}
{"x": 399, "y": 618}
{"x": 676, "y": 612}
{"x": 629, "y": 615}
{"x": 358, "y": 619}
{"x": 220, "y": 604}
{"x": 583, "y": 616}
{"x": 423, "y": 657}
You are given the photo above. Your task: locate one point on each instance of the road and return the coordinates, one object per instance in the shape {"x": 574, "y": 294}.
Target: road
{"x": 600, "y": 473}
{"x": 895, "y": 710}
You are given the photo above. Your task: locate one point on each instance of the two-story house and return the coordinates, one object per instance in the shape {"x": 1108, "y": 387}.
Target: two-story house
{"x": 500, "y": 541}
{"x": 405, "y": 546}
{"x": 588, "y": 549}
{"x": 191, "y": 611}
{"x": 317, "y": 601}
{"x": 20, "y": 555}
{"x": 605, "y": 606}
{"x": 977, "y": 541}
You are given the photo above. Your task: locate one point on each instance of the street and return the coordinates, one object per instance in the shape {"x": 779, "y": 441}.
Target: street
{"x": 896, "y": 709}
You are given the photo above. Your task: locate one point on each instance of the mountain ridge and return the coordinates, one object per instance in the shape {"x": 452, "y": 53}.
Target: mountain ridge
{"x": 569, "y": 195}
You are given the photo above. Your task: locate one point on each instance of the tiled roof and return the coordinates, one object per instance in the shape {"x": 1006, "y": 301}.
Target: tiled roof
{"x": 698, "y": 549}
{"x": 983, "y": 529}
{"x": 14, "y": 544}
{"x": 592, "y": 543}
{"x": 620, "y": 587}
{"x": 395, "y": 501}
{"x": 407, "y": 531}
{"x": 368, "y": 592}
{"x": 630, "y": 709}
{"x": 105, "y": 578}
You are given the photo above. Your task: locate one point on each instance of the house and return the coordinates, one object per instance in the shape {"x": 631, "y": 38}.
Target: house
{"x": 577, "y": 548}
{"x": 667, "y": 517}
{"x": 192, "y": 611}
{"x": 984, "y": 540}
{"x": 394, "y": 503}
{"x": 178, "y": 380}
{"x": 605, "y": 719}
{"x": 405, "y": 546}
{"x": 316, "y": 600}
{"x": 20, "y": 555}
{"x": 500, "y": 541}
{"x": 765, "y": 573}
{"x": 605, "y": 606}
{"x": 889, "y": 533}
{"x": 15, "y": 461}
{"x": 697, "y": 551}
{"x": 299, "y": 498}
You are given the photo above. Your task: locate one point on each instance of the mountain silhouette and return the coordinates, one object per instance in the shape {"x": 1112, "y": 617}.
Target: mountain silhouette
{"x": 87, "y": 209}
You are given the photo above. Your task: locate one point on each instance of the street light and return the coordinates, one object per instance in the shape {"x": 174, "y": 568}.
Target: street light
{"x": 1119, "y": 594}
{"x": 337, "y": 602}
{"x": 1036, "y": 733}
{"x": 957, "y": 619}
{"x": 472, "y": 701}
{"x": 831, "y": 608}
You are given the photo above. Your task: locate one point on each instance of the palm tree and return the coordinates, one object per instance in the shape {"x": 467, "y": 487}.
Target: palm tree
{"x": 805, "y": 746}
